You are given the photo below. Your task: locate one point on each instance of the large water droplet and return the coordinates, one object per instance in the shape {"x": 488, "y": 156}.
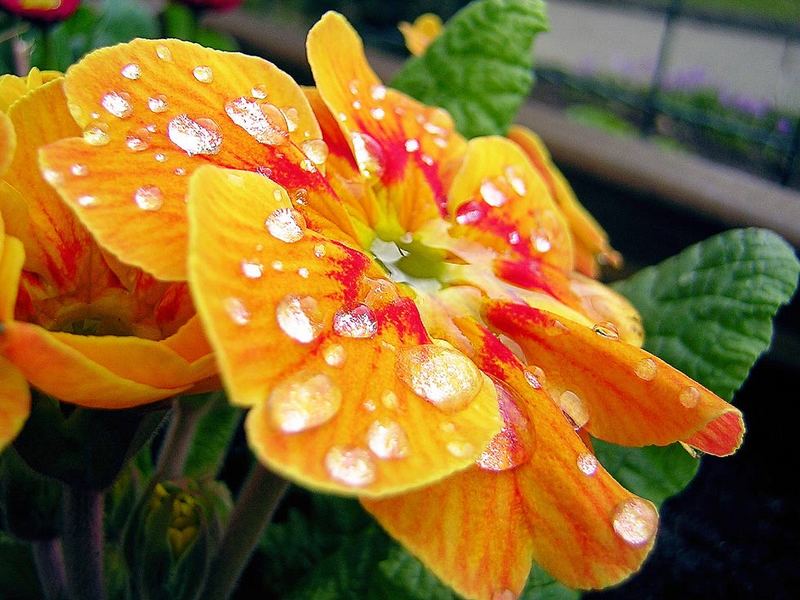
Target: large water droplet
{"x": 265, "y": 122}
{"x": 387, "y": 439}
{"x": 443, "y": 376}
{"x": 587, "y": 463}
{"x": 237, "y": 311}
{"x": 138, "y": 140}
{"x": 149, "y": 197}
{"x": 299, "y": 318}
{"x": 201, "y": 136}
{"x": 96, "y": 134}
{"x": 635, "y": 521}
{"x": 510, "y": 447}
{"x": 646, "y": 369}
{"x": 574, "y": 407}
{"x": 351, "y": 466}
{"x": 131, "y": 71}
{"x": 118, "y": 104}
{"x": 158, "y": 103}
{"x": 378, "y": 92}
{"x": 203, "y": 74}
{"x": 252, "y": 269}
{"x": 689, "y": 396}
{"x": 316, "y": 150}
{"x": 492, "y": 195}
{"x": 286, "y": 224}
{"x": 304, "y": 401}
{"x": 358, "y": 322}
{"x": 607, "y": 330}
{"x": 368, "y": 154}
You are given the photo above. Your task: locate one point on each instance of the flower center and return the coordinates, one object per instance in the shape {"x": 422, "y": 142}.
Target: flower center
{"x": 409, "y": 261}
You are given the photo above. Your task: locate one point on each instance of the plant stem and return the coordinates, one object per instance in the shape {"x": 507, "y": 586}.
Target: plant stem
{"x": 186, "y": 414}
{"x": 50, "y": 568}
{"x": 255, "y": 506}
{"x": 83, "y": 543}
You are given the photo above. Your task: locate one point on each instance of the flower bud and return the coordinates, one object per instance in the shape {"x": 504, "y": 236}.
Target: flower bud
{"x": 41, "y": 10}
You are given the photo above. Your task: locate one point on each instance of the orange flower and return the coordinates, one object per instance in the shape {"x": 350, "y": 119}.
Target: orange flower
{"x": 356, "y": 264}
{"x": 76, "y": 323}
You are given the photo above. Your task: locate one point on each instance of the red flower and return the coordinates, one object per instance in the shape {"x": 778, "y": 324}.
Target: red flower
{"x": 41, "y": 10}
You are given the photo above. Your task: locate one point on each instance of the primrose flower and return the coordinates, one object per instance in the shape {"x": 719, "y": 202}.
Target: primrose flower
{"x": 41, "y": 10}
{"x": 398, "y": 307}
{"x": 75, "y": 323}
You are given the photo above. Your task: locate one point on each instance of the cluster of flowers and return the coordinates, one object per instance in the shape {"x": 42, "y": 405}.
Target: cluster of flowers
{"x": 410, "y": 317}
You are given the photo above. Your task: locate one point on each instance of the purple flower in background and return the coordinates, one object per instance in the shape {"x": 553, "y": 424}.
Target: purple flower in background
{"x": 783, "y": 126}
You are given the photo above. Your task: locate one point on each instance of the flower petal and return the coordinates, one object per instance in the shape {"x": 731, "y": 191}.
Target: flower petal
{"x": 406, "y": 148}
{"x": 310, "y": 334}
{"x": 155, "y": 110}
{"x": 419, "y": 34}
{"x": 547, "y": 501}
{"x": 591, "y": 241}
{"x": 15, "y": 402}
{"x": 629, "y": 396}
{"x": 12, "y": 257}
{"x": 8, "y": 142}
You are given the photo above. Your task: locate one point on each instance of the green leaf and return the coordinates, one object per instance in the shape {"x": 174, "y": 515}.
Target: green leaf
{"x": 214, "y": 432}
{"x": 122, "y": 21}
{"x": 404, "y": 576}
{"x": 216, "y": 39}
{"x": 179, "y": 22}
{"x": 481, "y": 67}
{"x": 18, "y": 579}
{"x": 708, "y": 312}
{"x": 542, "y": 586}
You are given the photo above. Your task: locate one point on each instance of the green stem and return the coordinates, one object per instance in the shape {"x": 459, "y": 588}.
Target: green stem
{"x": 254, "y": 509}
{"x": 186, "y": 414}
{"x": 83, "y": 543}
{"x": 50, "y": 568}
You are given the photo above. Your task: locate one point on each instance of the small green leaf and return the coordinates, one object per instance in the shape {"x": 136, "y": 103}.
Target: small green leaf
{"x": 481, "y": 67}
{"x": 404, "y": 576}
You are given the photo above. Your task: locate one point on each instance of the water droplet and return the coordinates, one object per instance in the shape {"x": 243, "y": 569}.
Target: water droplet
{"x": 308, "y": 166}
{"x": 542, "y": 243}
{"x": 351, "y": 466}
{"x": 334, "y": 355}
{"x": 646, "y": 369}
{"x": 252, "y": 269}
{"x": 79, "y": 170}
{"x": 516, "y": 181}
{"x": 201, "y": 136}
{"x": 86, "y": 201}
{"x": 277, "y": 265}
{"x": 447, "y": 427}
{"x": 259, "y": 92}
{"x": 434, "y": 129}
{"x": 378, "y": 92}
{"x": 152, "y": 128}
{"x": 635, "y": 521}
{"x": 52, "y": 176}
{"x": 265, "y": 122}
{"x": 303, "y": 272}
{"x": 411, "y": 145}
{"x": 286, "y": 224}
{"x": 606, "y": 329}
{"x": 203, "y": 74}
{"x": 180, "y": 171}
{"x": 164, "y": 53}
{"x": 387, "y": 440}
{"x": 369, "y": 405}
{"x": 380, "y": 292}
{"x": 427, "y": 160}
{"x": 299, "y": 318}
{"x": 160, "y": 157}
{"x": 492, "y": 195}
{"x": 377, "y": 113}
{"x": 149, "y": 197}
{"x": 237, "y": 311}
{"x": 389, "y": 399}
{"x": 138, "y": 140}
{"x": 460, "y": 449}
{"x": 342, "y": 117}
{"x": 574, "y": 407}
{"x": 587, "y": 463}
{"x": 96, "y": 134}
{"x": 509, "y": 448}
{"x": 316, "y": 150}
{"x": 117, "y": 104}
{"x": 319, "y": 250}
{"x": 513, "y": 238}
{"x": 538, "y": 374}
{"x": 304, "y": 401}
{"x": 158, "y": 103}
{"x": 443, "y": 376}
{"x": 292, "y": 116}
{"x": 131, "y": 71}
{"x": 357, "y": 104}
{"x": 368, "y": 154}
{"x": 689, "y": 396}
{"x": 358, "y": 322}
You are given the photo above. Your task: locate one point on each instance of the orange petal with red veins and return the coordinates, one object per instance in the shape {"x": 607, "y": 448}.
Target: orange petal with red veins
{"x": 402, "y": 146}
{"x": 606, "y": 307}
{"x": 419, "y": 34}
{"x": 8, "y": 142}
{"x": 591, "y": 241}
{"x": 155, "y": 110}
{"x": 536, "y": 494}
{"x": 15, "y": 402}
{"x": 96, "y": 372}
{"x": 310, "y": 334}
{"x": 621, "y": 393}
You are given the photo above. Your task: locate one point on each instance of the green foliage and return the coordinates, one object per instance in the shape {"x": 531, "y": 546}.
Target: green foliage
{"x": 215, "y": 431}
{"x": 481, "y": 67}
{"x": 542, "y": 586}
{"x": 18, "y": 580}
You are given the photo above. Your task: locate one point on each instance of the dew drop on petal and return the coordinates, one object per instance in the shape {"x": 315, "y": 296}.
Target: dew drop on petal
{"x": 646, "y": 369}
{"x": 460, "y": 449}
{"x": 411, "y": 145}
{"x": 237, "y": 311}
{"x": 160, "y": 157}
{"x": 689, "y": 396}
{"x": 378, "y": 92}
{"x": 334, "y": 355}
{"x": 292, "y": 116}
{"x": 516, "y": 181}
{"x": 319, "y": 250}
{"x": 117, "y": 104}
{"x": 303, "y": 272}
{"x": 138, "y": 140}
{"x": 304, "y": 401}
{"x": 201, "y": 136}
{"x": 492, "y": 195}
{"x": 52, "y": 176}
{"x": 635, "y": 521}
{"x": 358, "y": 322}
{"x": 510, "y": 447}
{"x": 252, "y": 269}
{"x": 164, "y": 53}
{"x": 277, "y": 265}
{"x": 158, "y": 103}
{"x": 149, "y": 197}
{"x": 380, "y": 292}
{"x": 299, "y": 317}
{"x": 79, "y": 170}
{"x": 532, "y": 379}
{"x": 606, "y": 329}
{"x": 264, "y": 122}
{"x": 368, "y": 154}
{"x": 316, "y": 150}
{"x": 203, "y": 74}
{"x": 369, "y": 405}
{"x": 86, "y": 201}
{"x": 574, "y": 407}
{"x": 259, "y": 92}
{"x": 351, "y": 466}
{"x": 377, "y": 113}
{"x": 131, "y": 71}
{"x": 388, "y": 440}
{"x": 180, "y": 171}
{"x": 542, "y": 243}
{"x": 96, "y": 134}
{"x": 587, "y": 463}
{"x": 286, "y": 225}
{"x": 389, "y": 399}
{"x": 443, "y": 376}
